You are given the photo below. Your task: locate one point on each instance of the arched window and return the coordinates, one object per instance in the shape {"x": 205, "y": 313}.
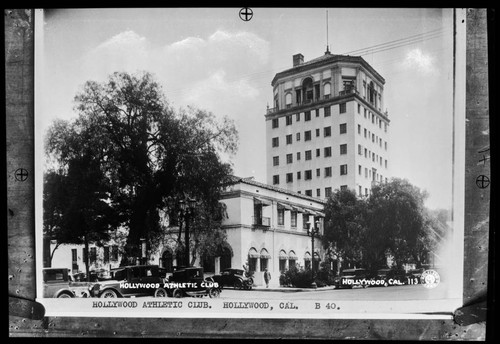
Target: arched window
{"x": 264, "y": 259}
{"x": 253, "y": 255}
{"x": 307, "y": 260}
{"x": 283, "y": 258}
{"x": 316, "y": 261}
{"x": 307, "y": 90}
{"x": 292, "y": 259}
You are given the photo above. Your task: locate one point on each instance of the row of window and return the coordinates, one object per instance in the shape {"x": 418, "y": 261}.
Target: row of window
{"x": 109, "y": 253}
{"x": 327, "y": 132}
{"x": 372, "y": 175}
{"x": 328, "y": 191}
{"x": 372, "y": 117}
{"x": 371, "y": 155}
{"x": 308, "y": 174}
{"x": 375, "y": 138}
{"x": 327, "y": 152}
{"x": 307, "y": 115}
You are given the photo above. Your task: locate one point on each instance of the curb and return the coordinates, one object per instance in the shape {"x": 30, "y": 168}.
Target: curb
{"x": 293, "y": 290}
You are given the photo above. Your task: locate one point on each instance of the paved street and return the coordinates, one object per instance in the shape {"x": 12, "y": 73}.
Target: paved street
{"x": 394, "y": 293}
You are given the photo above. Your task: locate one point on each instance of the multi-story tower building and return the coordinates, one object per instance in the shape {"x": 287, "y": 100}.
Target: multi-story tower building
{"x": 327, "y": 129}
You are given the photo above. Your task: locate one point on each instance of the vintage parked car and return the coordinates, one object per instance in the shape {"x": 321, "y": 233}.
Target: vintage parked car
{"x": 350, "y": 278}
{"x": 234, "y": 278}
{"x": 189, "y": 282}
{"x": 126, "y": 281}
{"x": 58, "y": 282}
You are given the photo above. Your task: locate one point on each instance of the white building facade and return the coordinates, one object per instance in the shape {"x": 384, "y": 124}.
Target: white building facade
{"x": 327, "y": 130}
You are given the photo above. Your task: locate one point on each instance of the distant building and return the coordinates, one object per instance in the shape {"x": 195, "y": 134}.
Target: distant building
{"x": 327, "y": 129}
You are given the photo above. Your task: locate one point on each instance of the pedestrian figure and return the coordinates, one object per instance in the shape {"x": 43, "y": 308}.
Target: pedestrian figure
{"x": 267, "y": 278}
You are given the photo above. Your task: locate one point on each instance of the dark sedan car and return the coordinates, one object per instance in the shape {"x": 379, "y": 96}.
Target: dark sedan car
{"x": 234, "y": 278}
{"x": 126, "y": 281}
{"x": 350, "y": 278}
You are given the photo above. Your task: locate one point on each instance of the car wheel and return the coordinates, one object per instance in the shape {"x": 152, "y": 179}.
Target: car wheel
{"x": 238, "y": 284}
{"x": 160, "y": 292}
{"x": 109, "y": 293}
{"x": 214, "y": 292}
{"x": 250, "y": 281}
{"x": 177, "y": 293}
{"x": 64, "y": 296}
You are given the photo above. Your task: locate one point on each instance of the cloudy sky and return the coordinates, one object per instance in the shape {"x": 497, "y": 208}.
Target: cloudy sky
{"x": 211, "y": 59}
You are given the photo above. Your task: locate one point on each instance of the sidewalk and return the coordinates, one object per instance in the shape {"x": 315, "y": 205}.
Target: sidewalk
{"x": 290, "y": 289}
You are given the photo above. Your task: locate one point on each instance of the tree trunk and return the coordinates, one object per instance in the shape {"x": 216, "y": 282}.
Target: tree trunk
{"x": 87, "y": 258}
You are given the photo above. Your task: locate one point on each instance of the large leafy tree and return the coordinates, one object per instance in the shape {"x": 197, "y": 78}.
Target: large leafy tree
{"x": 344, "y": 226}
{"x": 147, "y": 151}
{"x": 396, "y": 221}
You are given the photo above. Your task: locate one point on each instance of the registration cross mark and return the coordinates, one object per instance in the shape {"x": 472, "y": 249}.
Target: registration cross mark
{"x": 246, "y": 14}
{"x": 21, "y": 174}
{"x": 482, "y": 181}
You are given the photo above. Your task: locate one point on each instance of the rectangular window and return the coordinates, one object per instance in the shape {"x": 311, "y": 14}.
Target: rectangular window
{"x": 298, "y": 175}
{"x": 360, "y": 169}
{"x": 275, "y": 122}
{"x": 293, "y": 219}
{"x": 359, "y": 129}
{"x": 308, "y": 175}
{"x": 359, "y": 108}
{"x": 328, "y": 152}
{"x": 276, "y": 141}
{"x": 297, "y": 117}
{"x": 318, "y": 192}
{"x": 366, "y": 172}
{"x": 342, "y": 108}
{"x": 366, "y": 191}
{"x": 317, "y": 132}
{"x": 317, "y": 112}
{"x": 328, "y": 171}
{"x": 276, "y": 160}
{"x": 281, "y": 217}
{"x": 289, "y": 139}
{"x": 276, "y": 179}
{"x": 327, "y": 131}
{"x": 307, "y": 135}
{"x": 343, "y": 170}
{"x": 93, "y": 255}
{"x": 106, "y": 254}
{"x": 360, "y": 150}
{"x": 343, "y": 128}
{"x": 307, "y": 116}
{"x": 297, "y": 137}
{"x": 385, "y": 127}
{"x": 360, "y": 190}
{"x": 373, "y": 119}
{"x": 74, "y": 257}
{"x": 328, "y": 192}
{"x": 366, "y": 153}
{"x": 318, "y": 152}
{"x": 309, "y": 193}
{"x": 114, "y": 252}
{"x": 365, "y": 133}
{"x": 289, "y": 177}
{"x": 386, "y": 163}
{"x": 327, "y": 111}
{"x": 343, "y": 149}
{"x": 385, "y": 144}
{"x": 308, "y": 155}
{"x": 289, "y": 158}
{"x": 318, "y": 172}
{"x": 289, "y": 120}
{"x": 373, "y": 137}
{"x": 343, "y": 187}
{"x": 298, "y": 155}
{"x": 364, "y": 110}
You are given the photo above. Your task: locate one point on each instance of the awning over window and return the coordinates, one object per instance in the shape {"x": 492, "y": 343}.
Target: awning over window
{"x": 264, "y": 254}
{"x": 316, "y": 256}
{"x": 307, "y": 256}
{"x": 284, "y": 206}
{"x": 258, "y": 200}
{"x": 292, "y": 255}
{"x": 283, "y": 255}
{"x": 252, "y": 253}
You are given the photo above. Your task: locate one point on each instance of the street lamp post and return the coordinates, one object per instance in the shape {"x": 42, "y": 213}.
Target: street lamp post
{"x": 313, "y": 232}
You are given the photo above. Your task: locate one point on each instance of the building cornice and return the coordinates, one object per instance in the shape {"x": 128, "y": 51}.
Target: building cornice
{"x": 323, "y": 61}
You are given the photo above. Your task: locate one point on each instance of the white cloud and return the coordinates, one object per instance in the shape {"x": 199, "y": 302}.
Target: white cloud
{"x": 416, "y": 59}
